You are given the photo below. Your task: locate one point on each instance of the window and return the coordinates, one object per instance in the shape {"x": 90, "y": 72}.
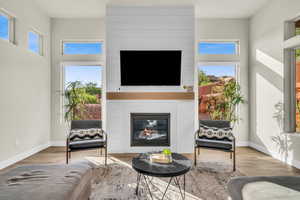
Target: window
{"x": 218, "y": 48}
{"x": 35, "y": 42}
{"x": 297, "y": 27}
{"x": 213, "y": 80}
{"x": 82, "y": 48}
{"x": 291, "y": 79}
{"x": 297, "y": 90}
{"x": 82, "y": 89}
{"x": 218, "y": 88}
{"x": 6, "y": 27}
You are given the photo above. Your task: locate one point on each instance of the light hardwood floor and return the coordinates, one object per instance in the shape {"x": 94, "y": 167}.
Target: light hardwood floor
{"x": 249, "y": 161}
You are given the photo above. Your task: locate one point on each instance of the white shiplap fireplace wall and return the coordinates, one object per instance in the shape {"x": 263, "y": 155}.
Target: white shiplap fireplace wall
{"x": 149, "y": 28}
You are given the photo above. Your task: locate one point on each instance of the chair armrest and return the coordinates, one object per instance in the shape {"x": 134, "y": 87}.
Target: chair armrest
{"x": 68, "y": 136}
{"x": 196, "y": 134}
{"x": 104, "y": 135}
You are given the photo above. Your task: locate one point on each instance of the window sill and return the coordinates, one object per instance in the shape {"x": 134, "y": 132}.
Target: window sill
{"x": 35, "y": 54}
{"x": 8, "y": 42}
{"x": 294, "y": 134}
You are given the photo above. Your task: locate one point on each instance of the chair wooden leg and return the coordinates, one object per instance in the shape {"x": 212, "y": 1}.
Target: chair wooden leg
{"x": 198, "y": 151}
{"x": 234, "y": 160}
{"x": 105, "y": 154}
{"x": 230, "y": 155}
{"x": 67, "y": 157}
{"x": 195, "y": 156}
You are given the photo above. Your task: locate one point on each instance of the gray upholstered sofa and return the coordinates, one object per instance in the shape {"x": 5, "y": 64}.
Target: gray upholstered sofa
{"x": 51, "y": 181}
{"x": 218, "y": 136}
{"x": 77, "y": 142}
{"x": 264, "y": 187}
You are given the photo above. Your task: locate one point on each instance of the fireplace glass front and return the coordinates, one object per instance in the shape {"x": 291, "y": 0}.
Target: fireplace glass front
{"x": 150, "y": 129}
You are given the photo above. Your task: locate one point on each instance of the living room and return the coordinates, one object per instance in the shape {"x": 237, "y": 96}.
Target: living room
{"x": 150, "y": 78}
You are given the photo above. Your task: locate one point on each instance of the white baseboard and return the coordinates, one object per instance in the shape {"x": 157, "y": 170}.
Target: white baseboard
{"x": 242, "y": 144}
{"x": 58, "y": 143}
{"x": 21, "y": 156}
{"x": 260, "y": 148}
{"x": 295, "y": 163}
{"x": 289, "y": 161}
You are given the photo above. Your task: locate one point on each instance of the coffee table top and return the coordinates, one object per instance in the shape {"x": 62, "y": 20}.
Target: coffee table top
{"x": 179, "y": 166}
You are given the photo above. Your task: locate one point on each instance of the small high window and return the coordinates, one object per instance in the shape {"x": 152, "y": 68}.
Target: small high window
{"x": 35, "y": 42}
{"x": 218, "y": 48}
{"x": 297, "y": 27}
{"x": 6, "y": 27}
{"x": 82, "y": 48}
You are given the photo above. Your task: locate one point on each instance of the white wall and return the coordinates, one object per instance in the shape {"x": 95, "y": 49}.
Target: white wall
{"x": 149, "y": 28}
{"x": 68, "y": 29}
{"x": 267, "y": 81}
{"x": 230, "y": 29}
{"x": 24, "y": 86}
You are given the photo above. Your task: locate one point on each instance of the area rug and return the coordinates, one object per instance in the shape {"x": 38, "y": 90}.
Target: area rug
{"x": 117, "y": 181}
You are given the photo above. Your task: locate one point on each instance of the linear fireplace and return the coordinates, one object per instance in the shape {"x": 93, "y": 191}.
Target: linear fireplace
{"x": 150, "y": 129}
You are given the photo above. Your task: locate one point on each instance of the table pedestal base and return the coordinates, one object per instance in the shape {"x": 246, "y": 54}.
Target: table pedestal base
{"x": 148, "y": 181}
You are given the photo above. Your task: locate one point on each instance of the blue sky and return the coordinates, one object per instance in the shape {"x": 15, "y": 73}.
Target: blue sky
{"x": 33, "y": 38}
{"x": 217, "y": 48}
{"x": 218, "y": 70}
{"x": 33, "y": 43}
{"x": 3, "y": 27}
{"x": 82, "y": 48}
{"x": 85, "y": 74}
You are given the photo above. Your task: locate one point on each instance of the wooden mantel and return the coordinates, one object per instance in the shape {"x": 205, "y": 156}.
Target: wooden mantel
{"x": 150, "y": 95}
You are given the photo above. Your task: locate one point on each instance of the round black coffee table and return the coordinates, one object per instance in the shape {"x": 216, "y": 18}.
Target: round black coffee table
{"x": 178, "y": 168}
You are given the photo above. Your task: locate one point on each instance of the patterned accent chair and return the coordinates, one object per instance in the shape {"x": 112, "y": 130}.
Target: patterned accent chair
{"x": 216, "y": 135}
{"x": 86, "y": 134}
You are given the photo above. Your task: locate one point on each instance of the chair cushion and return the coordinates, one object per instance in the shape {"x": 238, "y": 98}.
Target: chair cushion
{"x": 86, "y": 134}
{"x": 86, "y": 124}
{"x": 214, "y": 144}
{"x": 215, "y": 123}
{"x": 223, "y": 134}
{"x": 86, "y": 144}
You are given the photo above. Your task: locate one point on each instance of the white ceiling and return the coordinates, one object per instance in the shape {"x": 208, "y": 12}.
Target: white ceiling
{"x": 204, "y": 8}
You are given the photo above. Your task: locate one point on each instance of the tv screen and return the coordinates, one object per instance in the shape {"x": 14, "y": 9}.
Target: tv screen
{"x": 152, "y": 68}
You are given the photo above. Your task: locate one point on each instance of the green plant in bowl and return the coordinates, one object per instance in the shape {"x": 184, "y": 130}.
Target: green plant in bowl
{"x": 167, "y": 152}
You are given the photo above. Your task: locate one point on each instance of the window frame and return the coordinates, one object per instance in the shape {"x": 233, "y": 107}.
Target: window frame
{"x": 216, "y": 59}
{"x": 40, "y": 42}
{"x": 237, "y": 46}
{"x": 63, "y": 66}
{"x": 81, "y": 42}
{"x": 11, "y": 26}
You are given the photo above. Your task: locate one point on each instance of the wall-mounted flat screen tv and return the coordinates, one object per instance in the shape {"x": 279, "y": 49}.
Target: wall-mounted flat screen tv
{"x": 150, "y": 68}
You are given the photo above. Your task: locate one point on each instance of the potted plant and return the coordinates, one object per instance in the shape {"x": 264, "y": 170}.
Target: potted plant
{"x": 74, "y": 100}
{"x": 224, "y": 100}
